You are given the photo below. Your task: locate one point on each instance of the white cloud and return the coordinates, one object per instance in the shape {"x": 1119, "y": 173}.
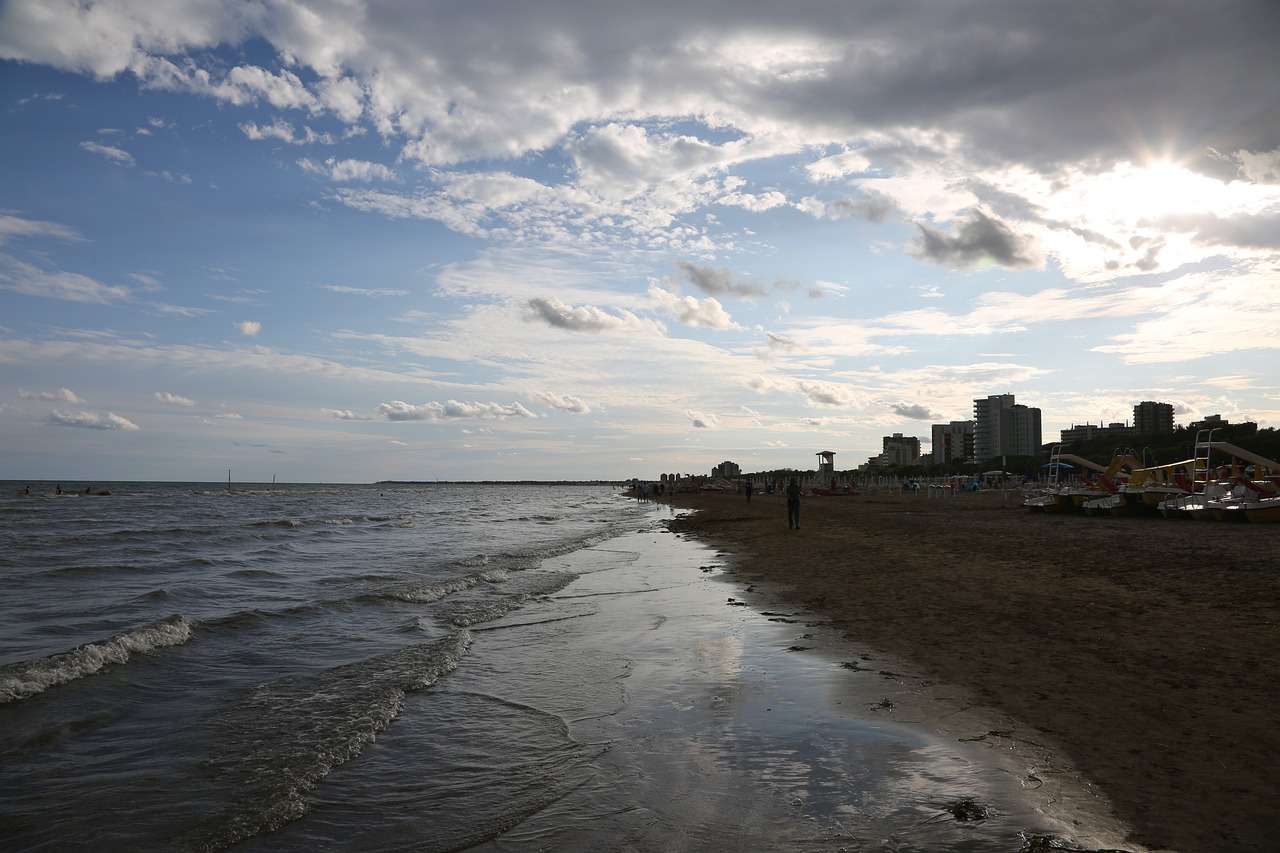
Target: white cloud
{"x": 91, "y": 420}
{"x": 586, "y": 318}
{"x": 115, "y": 155}
{"x": 700, "y": 420}
{"x": 563, "y": 402}
{"x": 62, "y": 395}
{"x": 451, "y": 410}
{"x": 22, "y": 277}
{"x": 690, "y": 311}
{"x": 754, "y": 202}
{"x": 16, "y": 226}
{"x": 279, "y": 129}
{"x": 174, "y": 399}
{"x": 346, "y": 415}
{"x": 248, "y": 328}
{"x": 348, "y": 170}
{"x": 374, "y": 292}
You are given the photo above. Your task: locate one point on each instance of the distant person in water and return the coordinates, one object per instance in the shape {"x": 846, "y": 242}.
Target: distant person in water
{"x": 59, "y": 489}
{"x": 793, "y": 504}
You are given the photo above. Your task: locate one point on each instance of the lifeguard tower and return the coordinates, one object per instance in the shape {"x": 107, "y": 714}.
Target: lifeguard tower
{"x": 826, "y": 467}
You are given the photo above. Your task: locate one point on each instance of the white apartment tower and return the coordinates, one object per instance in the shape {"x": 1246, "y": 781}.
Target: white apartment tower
{"x": 1002, "y": 427}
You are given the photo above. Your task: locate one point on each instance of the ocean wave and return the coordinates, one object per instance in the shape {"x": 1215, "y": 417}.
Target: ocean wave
{"x": 29, "y": 678}
{"x": 468, "y": 613}
{"x": 432, "y": 592}
{"x": 289, "y": 734}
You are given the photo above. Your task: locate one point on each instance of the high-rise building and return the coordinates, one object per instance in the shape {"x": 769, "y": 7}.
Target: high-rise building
{"x": 1150, "y": 418}
{"x": 900, "y": 450}
{"x": 1002, "y": 427}
{"x": 726, "y": 469}
{"x": 952, "y": 442}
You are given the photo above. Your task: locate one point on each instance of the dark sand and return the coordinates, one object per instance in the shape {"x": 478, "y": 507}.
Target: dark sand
{"x": 1144, "y": 649}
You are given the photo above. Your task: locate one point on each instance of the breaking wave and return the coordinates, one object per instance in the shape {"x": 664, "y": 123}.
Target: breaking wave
{"x": 29, "y": 678}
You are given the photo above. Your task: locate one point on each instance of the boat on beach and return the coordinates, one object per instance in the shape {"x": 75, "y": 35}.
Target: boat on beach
{"x": 1072, "y": 495}
{"x": 1244, "y": 486}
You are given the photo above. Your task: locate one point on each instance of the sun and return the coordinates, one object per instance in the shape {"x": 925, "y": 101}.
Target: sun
{"x": 1131, "y": 193}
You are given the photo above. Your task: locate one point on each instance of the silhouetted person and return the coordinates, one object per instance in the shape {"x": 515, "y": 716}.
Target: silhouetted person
{"x": 793, "y": 504}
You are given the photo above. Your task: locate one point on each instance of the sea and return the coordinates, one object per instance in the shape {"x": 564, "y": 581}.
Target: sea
{"x": 446, "y": 667}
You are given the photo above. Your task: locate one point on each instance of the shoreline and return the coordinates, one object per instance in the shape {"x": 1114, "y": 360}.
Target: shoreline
{"x": 1141, "y": 649}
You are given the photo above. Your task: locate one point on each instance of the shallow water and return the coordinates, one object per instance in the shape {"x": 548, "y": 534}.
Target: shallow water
{"x": 438, "y": 668}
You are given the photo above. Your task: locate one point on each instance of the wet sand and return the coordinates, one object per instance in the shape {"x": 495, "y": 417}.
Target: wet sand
{"x": 1142, "y": 650}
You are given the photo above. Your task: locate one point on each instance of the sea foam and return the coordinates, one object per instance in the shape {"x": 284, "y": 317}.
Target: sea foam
{"x": 29, "y": 678}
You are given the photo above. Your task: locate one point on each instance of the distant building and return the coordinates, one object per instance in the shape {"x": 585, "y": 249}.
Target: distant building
{"x": 1218, "y": 422}
{"x": 726, "y": 469}
{"x": 900, "y": 450}
{"x": 1088, "y": 432}
{"x": 952, "y": 442}
{"x": 1002, "y": 427}
{"x": 1150, "y": 418}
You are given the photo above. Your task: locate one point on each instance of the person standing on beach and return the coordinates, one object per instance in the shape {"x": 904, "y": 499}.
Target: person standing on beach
{"x": 748, "y": 487}
{"x": 793, "y": 504}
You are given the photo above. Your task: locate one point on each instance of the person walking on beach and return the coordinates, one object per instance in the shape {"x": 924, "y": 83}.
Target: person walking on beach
{"x": 793, "y": 504}
{"x": 748, "y": 487}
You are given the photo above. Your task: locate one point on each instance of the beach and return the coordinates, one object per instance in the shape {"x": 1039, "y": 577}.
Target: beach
{"x": 495, "y": 668}
{"x": 1139, "y": 651}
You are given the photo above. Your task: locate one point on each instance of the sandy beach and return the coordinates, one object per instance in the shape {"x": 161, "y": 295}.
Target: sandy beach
{"x": 1141, "y": 650}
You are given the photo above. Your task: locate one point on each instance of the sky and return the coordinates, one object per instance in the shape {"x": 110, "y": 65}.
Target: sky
{"x": 356, "y": 240}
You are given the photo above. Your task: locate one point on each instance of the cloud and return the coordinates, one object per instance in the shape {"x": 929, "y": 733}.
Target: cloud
{"x": 869, "y": 204}
{"x": 248, "y": 328}
{"x": 62, "y": 395}
{"x": 21, "y": 277}
{"x": 979, "y": 239}
{"x": 587, "y": 318}
{"x": 346, "y": 415}
{"x": 17, "y": 226}
{"x": 565, "y": 403}
{"x": 777, "y": 343}
{"x": 174, "y": 399}
{"x": 348, "y": 170}
{"x": 115, "y": 155}
{"x": 754, "y": 202}
{"x": 364, "y": 291}
{"x": 700, "y": 420}
{"x": 718, "y": 282}
{"x": 690, "y": 311}
{"x": 181, "y": 310}
{"x": 91, "y": 420}
{"x": 914, "y": 411}
{"x": 281, "y": 130}
{"x": 1263, "y": 167}
{"x": 451, "y": 410}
